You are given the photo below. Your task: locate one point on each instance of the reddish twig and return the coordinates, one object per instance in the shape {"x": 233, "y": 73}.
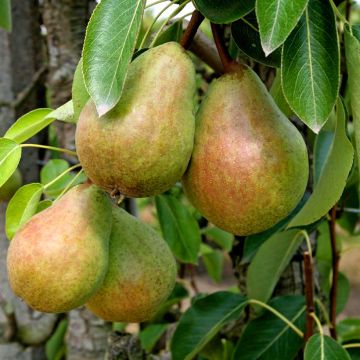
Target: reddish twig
{"x": 228, "y": 63}
{"x": 192, "y": 273}
{"x": 309, "y": 295}
{"x": 335, "y": 271}
{"x": 194, "y": 23}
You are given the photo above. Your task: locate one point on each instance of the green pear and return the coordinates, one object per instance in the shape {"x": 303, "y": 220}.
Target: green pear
{"x": 249, "y": 166}
{"x": 141, "y": 275}
{"x": 59, "y": 258}
{"x": 11, "y": 186}
{"x": 143, "y": 146}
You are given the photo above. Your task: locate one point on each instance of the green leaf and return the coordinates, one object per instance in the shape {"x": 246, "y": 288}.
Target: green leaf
{"x": 203, "y": 321}
{"x": 270, "y": 262}
{"x": 278, "y": 96}
{"x": 247, "y": 39}
{"x": 5, "y": 15}
{"x": 56, "y": 343}
{"x": 151, "y": 335}
{"x": 343, "y": 293}
{"x": 253, "y": 242}
{"x": 284, "y": 15}
{"x": 29, "y": 125}
{"x": 224, "y": 11}
{"x": 80, "y": 95}
{"x": 172, "y": 33}
{"x": 322, "y": 147}
{"x": 10, "y": 155}
{"x": 310, "y": 65}
{"x": 268, "y": 337}
{"x": 348, "y": 329}
{"x": 22, "y": 207}
{"x": 332, "y": 180}
{"x": 179, "y": 227}
{"x": 64, "y": 113}
{"x": 352, "y": 52}
{"x": 213, "y": 261}
{"x": 219, "y": 237}
{"x": 109, "y": 44}
{"x": 324, "y": 348}
{"x": 43, "y": 205}
{"x": 52, "y": 170}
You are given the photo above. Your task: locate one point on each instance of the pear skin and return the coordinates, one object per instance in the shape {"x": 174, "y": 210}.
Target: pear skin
{"x": 143, "y": 146}
{"x": 141, "y": 275}
{"x": 59, "y": 258}
{"x": 249, "y": 167}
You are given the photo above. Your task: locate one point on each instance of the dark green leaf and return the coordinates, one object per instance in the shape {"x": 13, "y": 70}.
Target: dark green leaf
{"x": 29, "y": 125}
{"x": 268, "y": 337}
{"x": 277, "y": 93}
{"x": 270, "y": 262}
{"x": 22, "y": 207}
{"x": 352, "y": 51}
{"x": 322, "y": 147}
{"x": 343, "y": 293}
{"x": 203, "y": 321}
{"x": 310, "y": 65}
{"x": 324, "y": 348}
{"x": 224, "y": 11}
{"x": 5, "y": 14}
{"x": 213, "y": 261}
{"x": 333, "y": 176}
{"x": 80, "y": 96}
{"x": 219, "y": 237}
{"x": 253, "y": 242}
{"x": 51, "y": 171}
{"x": 151, "y": 334}
{"x": 247, "y": 38}
{"x": 284, "y": 15}
{"x": 179, "y": 227}
{"x": 348, "y": 329}
{"x": 10, "y": 155}
{"x": 109, "y": 44}
{"x": 172, "y": 33}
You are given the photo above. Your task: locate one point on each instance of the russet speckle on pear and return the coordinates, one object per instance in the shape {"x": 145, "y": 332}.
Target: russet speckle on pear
{"x": 60, "y": 256}
{"x": 143, "y": 146}
{"x": 249, "y": 167}
{"x": 141, "y": 275}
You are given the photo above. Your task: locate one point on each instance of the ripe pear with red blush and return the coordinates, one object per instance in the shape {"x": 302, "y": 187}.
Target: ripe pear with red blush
{"x": 141, "y": 275}
{"x": 143, "y": 146}
{"x": 59, "y": 258}
{"x": 249, "y": 167}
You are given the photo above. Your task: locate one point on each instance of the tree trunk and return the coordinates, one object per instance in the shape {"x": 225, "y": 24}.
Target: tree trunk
{"x": 21, "y": 90}
{"x": 65, "y": 21}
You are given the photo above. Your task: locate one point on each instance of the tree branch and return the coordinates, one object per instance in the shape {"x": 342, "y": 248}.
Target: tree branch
{"x": 228, "y": 63}
{"x": 191, "y": 29}
{"x": 335, "y": 271}
{"x": 309, "y": 295}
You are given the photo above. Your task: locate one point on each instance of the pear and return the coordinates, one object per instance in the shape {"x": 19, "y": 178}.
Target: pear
{"x": 141, "y": 275}
{"x": 249, "y": 167}
{"x": 11, "y": 186}
{"x": 59, "y": 258}
{"x": 143, "y": 146}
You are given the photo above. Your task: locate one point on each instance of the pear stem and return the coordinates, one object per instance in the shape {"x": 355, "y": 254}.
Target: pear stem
{"x": 228, "y": 63}
{"x": 66, "y": 151}
{"x": 194, "y": 23}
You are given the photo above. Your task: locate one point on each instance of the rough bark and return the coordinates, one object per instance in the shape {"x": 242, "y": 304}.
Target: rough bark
{"x": 65, "y": 21}
{"x": 21, "y": 90}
